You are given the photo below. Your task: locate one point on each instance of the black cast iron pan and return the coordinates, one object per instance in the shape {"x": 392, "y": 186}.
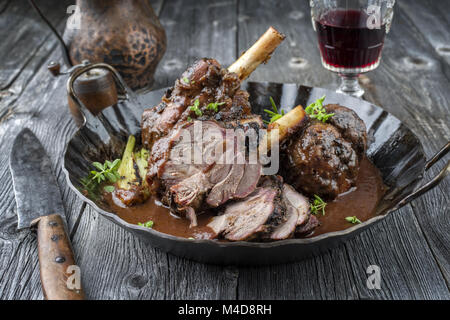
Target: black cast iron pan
{"x": 393, "y": 148}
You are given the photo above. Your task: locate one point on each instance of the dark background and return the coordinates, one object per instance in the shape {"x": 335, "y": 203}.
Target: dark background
{"x": 412, "y": 246}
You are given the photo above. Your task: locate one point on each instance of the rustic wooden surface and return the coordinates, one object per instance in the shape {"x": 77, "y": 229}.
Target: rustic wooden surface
{"x": 412, "y": 247}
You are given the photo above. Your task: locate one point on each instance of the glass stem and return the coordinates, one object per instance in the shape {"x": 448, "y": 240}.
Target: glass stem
{"x": 350, "y": 85}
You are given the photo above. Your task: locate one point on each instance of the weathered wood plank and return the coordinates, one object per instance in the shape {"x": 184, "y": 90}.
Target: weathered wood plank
{"x": 398, "y": 243}
{"x": 297, "y": 58}
{"x": 196, "y": 30}
{"x": 40, "y": 105}
{"x": 22, "y": 32}
{"x": 326, "y": 277}
{"x": 3, "y": 5}
{"x": 410, "y": 67}
{"x": 430, "y": 21}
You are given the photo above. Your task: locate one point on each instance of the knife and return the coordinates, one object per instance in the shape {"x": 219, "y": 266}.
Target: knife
{"x": 39, "y": 206}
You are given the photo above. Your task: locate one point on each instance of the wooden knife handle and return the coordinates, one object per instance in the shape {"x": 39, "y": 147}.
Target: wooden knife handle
{"x": 56, "y": 260}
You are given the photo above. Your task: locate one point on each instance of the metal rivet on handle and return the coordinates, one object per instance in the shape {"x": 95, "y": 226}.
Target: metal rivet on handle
{"x": 60, "y": 259}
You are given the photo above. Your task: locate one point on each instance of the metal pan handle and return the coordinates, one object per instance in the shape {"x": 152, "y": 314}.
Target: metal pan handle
{"x": 433, "y": 182}
{"x": 78, "y": 71}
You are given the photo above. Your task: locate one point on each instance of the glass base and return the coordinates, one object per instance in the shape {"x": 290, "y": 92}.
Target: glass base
{"x": 349, "y": 77}
{"x": 350, "y": 86}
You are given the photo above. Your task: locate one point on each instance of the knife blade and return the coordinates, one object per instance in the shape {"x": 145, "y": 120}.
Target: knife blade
{"x": 37, "y": 193}
{"x": 39, "y": 205}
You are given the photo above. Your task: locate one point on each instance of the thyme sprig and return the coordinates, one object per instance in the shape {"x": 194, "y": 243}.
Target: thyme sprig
{"x": 318, "y": 205}
{"x": 274, "y": 114}
{"x": 148, "y": 224}
{"x": 107, "y": 173}
{"x": 316, "y": 110}
{"x": 196, "y": 108}
{"x": 353, "y": 220}
{"x": 214, "y": 106}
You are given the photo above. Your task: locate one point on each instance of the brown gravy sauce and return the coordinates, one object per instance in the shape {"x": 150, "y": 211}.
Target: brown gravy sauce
{"x": 361, "y": 201}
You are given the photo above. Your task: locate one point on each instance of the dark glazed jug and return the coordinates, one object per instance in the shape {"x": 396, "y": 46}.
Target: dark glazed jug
{"x": 123, "y": 33}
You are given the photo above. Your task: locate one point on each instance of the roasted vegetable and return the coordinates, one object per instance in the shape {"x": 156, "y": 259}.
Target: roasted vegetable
{"x": 127, "y": 170}
{"x": 132, "y": 187}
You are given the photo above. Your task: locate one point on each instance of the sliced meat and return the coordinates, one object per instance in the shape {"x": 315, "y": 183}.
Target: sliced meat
{"x": 246, "y": 219}
{"x": 254, "y": 217}
{"x": 201, "y": 172}
{"x": 203, "y": 83}
{"x": 226, "y": 188}
{"x": 190, "y": 191}
{"x": 252, "y": 173}
{"x": 274, "y": 211}
{"x": 308, "y": 227}
{"x": 297, "y": 213}
{"x": 175, "y": 157}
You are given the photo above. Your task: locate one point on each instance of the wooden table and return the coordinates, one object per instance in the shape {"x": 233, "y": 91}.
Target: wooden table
{"x": 411, "y": 247}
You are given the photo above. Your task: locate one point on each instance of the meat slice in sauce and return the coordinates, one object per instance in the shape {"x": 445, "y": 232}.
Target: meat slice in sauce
{"x": 247, "y": 219}
{"x": 308, "y": 227}
{"x": 297, "y": 213}
{"x": 273, "y": 211}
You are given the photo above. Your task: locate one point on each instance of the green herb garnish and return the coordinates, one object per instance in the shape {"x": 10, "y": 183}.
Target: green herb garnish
{"x": 186, "y": 80}
{"x": 318, "y": 205}
{"x": 214, "y": 106}
{"x": 148, "y": 224}
{"x": 353, "y": 220}
{"x": 274, "y": 114}
{"x": 316, "y": 110}
{"x": 90, "y": 186}
{"x": 196, "y": 108}
{"x": 107, "y": 173}
{"x": 108, "y": 189}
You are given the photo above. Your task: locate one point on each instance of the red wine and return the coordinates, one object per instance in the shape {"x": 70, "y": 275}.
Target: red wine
{"x": 345, "y": 41}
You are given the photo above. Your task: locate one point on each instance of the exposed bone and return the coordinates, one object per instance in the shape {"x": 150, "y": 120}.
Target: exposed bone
{"x": 259, "y": 53}
{"x": 284, "y": 127}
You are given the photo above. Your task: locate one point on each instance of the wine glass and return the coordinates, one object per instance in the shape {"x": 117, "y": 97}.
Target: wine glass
{"x": 351, "y": 37}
